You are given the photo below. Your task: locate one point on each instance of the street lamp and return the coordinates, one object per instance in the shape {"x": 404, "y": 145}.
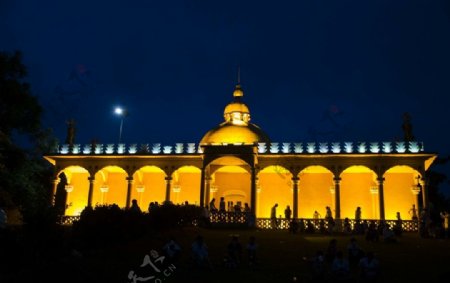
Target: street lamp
{"x": 122, "y": 113}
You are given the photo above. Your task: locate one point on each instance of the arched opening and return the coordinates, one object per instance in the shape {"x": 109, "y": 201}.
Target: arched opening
{"x": 400, "y": 191}
{"x": 316, "y": 191}
{"x": 186, "y": 185}
{"x": 149, "y": 186}
{"x": 73, "y": 190}
{"x": 274, "y": 186}
{"x": 110, "y": 186}
{"x": 359, "y": 189}
{"x": 230, "y": 179}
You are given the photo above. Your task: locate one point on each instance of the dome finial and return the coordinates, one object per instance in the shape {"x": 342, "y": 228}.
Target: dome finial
{"x": 238, "y": 90}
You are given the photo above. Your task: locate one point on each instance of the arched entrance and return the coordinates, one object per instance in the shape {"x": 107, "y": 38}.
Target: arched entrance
{"x": 230, "y": 179}
{"x": 401, "y": 191}
{"x": 316, "y": 191}
{"x": 76, "y": 188}
{"x": 149, "y": 186}
{"x": 274, "y": 186}
{"x": 186, "y": 185}
{"x": 359, "y": 188}
{"x": 110, "y": 186}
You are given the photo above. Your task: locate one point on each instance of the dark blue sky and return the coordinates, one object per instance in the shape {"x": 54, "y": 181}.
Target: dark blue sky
{"x": 311, "y": 70}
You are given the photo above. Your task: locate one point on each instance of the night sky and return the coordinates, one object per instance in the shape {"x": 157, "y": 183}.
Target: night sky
{"x": 310, "y": 70}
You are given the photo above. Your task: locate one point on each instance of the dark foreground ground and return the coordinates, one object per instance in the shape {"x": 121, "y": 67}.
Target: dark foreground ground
{"x": 281, "y": 257}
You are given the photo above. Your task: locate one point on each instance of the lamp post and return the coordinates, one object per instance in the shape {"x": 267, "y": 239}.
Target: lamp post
{"x": 122, "y": 113}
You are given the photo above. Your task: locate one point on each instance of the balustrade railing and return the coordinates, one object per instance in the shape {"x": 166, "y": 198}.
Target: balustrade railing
{"x": 263, "y": 148}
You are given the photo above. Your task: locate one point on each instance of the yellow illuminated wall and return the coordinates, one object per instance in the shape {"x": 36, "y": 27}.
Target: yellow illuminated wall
{"x": 77, "y": 199}
{"x": 153, "y": 180}
{"x": 314, "y": 192}
{"x": 355, "y": 191}
{"x": 276, "y": 187}
{"x": 188, "y": 180}
{"x": 234, "y": 186}
{"x": 115, "y": 178}
{"x": 397, "y": 192}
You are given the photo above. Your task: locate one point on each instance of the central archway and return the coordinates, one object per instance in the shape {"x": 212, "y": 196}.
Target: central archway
{"x": 230, "y": 179}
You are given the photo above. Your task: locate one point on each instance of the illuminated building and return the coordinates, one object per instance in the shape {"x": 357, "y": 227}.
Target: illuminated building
{"x": 237, "y": 161}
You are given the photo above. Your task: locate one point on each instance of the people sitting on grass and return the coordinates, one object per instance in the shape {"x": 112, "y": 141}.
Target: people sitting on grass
{"x": 252, "y": 247}
{"x": 354, "y": 252}
{"x": 331, "y": 251}
{"x": 172, "y": 250}
{"x": 340, "y": 268}
{"x": 318, "y": 268}
{"x": 369, "y": 268}
{"x": 200, "y": 256}
{"x": 234, "y": 253}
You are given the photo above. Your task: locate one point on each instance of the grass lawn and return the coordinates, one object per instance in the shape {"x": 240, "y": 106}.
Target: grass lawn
{"x": 280, "y": 257}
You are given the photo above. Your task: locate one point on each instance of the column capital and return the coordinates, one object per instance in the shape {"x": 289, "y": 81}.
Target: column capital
{"x": 91, "y": 179}
{"x": 337, "y": 179}
{"x": 129, "y": 179}
{"x": 295, "y": 180}
{"x": 168, "y": 178}
{"x": 380, "y": 179}
{"x": 56, "y": 181}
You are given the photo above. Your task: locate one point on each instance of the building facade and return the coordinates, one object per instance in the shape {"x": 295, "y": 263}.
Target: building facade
{"x": 237, "y": 161}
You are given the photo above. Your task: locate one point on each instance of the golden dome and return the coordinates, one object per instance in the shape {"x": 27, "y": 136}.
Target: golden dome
{"x": 237, "y": 127}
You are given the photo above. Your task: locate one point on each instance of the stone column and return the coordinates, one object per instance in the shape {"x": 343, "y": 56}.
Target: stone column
{"x": 55, "y": 187}
{"x": 168, "y": 187}
{"x": 423, "y": 184}
{"x": 207, "y": 189}
{"x": 381, "y": 197}
{"x": 202, "y": 188}
{"x": 91, "y": 190}
{"x": 295, "y": 196}
{"x": 337, "y": 198}
{"x": 253, "y": 192}
{"x": 129, "y": 186}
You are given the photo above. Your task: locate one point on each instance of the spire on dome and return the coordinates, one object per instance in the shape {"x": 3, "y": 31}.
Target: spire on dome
{"x": 238, "y": 92}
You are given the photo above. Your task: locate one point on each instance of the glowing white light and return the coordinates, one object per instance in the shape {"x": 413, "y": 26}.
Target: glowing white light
{"x": 104, "y": 188}
{"x": 274, "y": 147}
{"x": 400, "y": 147}
{"x": 176, "y": 189}
{"x": 213, "y": 188}
{"x": 191, "y": 148}
{"x": 286, "y": 147}
{"x": 68, "y": 188}
{"x": 121, "y": 148}
{"x": 311, "y": 147}
{"x": 87, "y": 149}
{"x": 414, "y": 147}
{"x": 156, "y": 148}
{"x": 179, "y": 148}
{"x": 167, "y": 149}
{"x": 119, "y": 110}
{"x": 335, "y": 147}
{"x": 76, "y": 149}
{"x": 109, "y": 148}
{"x": 348, "y": 147}
{"x": 64, "y": 149}
{"x": 262, "y": 148}
{"x": 140, "y": 189}
{"x": 374, "y": 147}
{"x": 387, "y": 147}
{"x": 362, "y": 147}
{"x": 323, "y": 147}
{"x": 298, "y": 148}
{"x": 99, "y": 149}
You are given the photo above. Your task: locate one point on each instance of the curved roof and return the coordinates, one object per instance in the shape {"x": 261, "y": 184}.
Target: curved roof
{"x": 237, "y": 127}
